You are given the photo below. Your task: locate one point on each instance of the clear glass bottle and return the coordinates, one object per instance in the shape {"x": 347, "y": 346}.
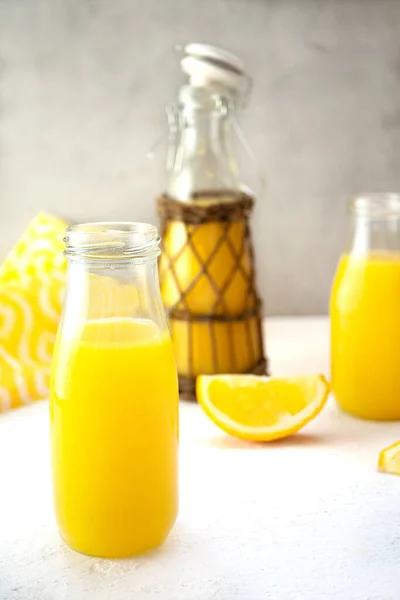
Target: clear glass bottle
{"x": 365, "y": 311}
{"x": 207, "y": 264}
{"x": 114, "y": 395}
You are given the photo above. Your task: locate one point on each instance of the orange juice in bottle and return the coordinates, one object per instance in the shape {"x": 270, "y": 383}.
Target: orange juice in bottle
{"x": 207, "y": 264}
{"x": 365, "y": 312}
{"x": 114, "y": 396}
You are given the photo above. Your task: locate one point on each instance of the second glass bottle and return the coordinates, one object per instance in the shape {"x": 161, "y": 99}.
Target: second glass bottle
{"x": 207, "y": 264}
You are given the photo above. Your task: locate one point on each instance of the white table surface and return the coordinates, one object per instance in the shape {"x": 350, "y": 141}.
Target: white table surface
{"x": 303, "y": 519}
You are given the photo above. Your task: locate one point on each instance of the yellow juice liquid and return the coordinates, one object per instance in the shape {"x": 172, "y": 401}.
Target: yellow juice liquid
{"x": 365, "y": 336}
{"x": 224, "y": 347}
{"x": 114, "y": 433}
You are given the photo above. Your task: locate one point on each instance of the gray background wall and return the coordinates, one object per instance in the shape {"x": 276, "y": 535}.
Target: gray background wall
{"x": 83, "y": 84}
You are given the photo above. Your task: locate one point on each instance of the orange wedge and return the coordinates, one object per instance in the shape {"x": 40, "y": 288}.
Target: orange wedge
{"x": 261, "y": 408}
{"x": 389, "y": 459}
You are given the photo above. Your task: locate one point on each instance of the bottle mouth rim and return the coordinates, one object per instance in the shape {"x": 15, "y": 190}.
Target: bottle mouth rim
{"x": 112, "y": 241}
{"x": 377, "y": 205}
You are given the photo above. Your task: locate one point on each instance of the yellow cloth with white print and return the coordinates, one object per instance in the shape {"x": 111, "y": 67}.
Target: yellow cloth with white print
{"x": 32, "y": 280}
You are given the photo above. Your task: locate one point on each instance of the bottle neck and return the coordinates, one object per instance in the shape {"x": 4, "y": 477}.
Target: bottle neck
{"x": 370, "y": 236}
{"x": 112, "y": 273}
{"x": 103, "y": 291}
{"x": 206, "y": 133}
{"x": 203, "y": 158}
{"x": 375, "y": 224}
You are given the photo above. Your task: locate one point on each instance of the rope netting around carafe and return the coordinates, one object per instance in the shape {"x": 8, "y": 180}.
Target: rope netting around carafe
{"x": 193, "y": 216}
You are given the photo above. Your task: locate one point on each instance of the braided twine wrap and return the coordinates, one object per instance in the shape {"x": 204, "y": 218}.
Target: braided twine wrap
{"x": 193, "y": 216}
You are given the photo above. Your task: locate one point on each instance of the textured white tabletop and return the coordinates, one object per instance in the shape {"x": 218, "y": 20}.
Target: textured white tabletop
{"x": 308, "y": 518}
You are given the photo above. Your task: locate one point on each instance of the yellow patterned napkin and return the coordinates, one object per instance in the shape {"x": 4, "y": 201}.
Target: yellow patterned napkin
{"x": 32, "y": 282}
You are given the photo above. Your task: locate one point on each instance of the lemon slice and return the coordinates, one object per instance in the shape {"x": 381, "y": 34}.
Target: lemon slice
{"x": 261, "y": 408}
{"x": 389, "y": 459}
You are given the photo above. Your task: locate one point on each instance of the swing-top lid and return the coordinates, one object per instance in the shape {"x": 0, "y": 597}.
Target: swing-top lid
{"x": 208, "y": 66}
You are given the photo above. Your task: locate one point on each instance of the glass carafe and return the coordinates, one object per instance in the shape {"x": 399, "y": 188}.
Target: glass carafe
{"x": 207, "y": 264}
{"x": 365, "y": 312}
{"x": 114, "y": 395}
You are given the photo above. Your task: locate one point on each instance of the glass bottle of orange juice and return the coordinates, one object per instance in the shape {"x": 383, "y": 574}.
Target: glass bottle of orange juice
{"x": 114, "y": 396}
{"x": 207, "y": 270}
{"x": 365, "y": 312}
